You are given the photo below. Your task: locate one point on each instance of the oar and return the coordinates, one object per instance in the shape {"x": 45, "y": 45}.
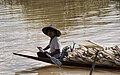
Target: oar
{"x": 53, "y": 59}
{"x": 93, "y": 65}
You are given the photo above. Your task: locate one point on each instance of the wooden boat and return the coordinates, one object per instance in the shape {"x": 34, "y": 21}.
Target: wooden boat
{"x": 69, "y": 63}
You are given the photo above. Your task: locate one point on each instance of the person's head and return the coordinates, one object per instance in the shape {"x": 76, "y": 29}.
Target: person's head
{"x": 51, "y": 31}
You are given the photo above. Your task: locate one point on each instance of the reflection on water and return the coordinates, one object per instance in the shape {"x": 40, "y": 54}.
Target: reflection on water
{"x": 50, "y": 70}
{"x": 61, "y": 12}
{"x": 21, "y": 22}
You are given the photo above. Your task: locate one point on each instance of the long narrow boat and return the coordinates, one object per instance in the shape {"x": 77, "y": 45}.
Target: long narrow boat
{"x": 68, "y": 63}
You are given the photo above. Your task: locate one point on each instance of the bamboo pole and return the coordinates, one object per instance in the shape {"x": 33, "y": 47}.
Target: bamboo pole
{"x": 93, "y": 65}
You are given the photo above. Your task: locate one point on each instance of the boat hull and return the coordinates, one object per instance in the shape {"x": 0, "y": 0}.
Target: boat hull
{"x": 68, "y": 63}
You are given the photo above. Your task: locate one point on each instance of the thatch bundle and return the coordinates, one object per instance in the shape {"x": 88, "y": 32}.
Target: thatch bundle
{"x": 86, "y": 54}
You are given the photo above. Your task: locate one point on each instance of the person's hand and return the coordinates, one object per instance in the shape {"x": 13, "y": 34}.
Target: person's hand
{"x": 40, "y": 48}
{"x": 46, "y": 52}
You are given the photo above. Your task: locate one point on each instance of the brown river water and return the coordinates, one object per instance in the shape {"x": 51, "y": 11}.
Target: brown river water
{"x": 21, "y": 22}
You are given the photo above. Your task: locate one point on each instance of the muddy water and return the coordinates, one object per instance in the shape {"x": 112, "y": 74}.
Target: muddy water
{"x": 52, "y": 70}
{"x": 21, "y": 22}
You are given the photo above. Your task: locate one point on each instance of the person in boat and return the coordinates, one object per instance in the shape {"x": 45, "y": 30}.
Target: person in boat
{"x": 54, "y": 44}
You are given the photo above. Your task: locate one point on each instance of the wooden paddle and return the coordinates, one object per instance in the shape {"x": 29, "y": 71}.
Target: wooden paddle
{"x": 53, "y": 59}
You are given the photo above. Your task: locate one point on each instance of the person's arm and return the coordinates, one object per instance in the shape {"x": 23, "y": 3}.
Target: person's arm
{"x": 55, "y": 52}
{"x": 47, "y": 47}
